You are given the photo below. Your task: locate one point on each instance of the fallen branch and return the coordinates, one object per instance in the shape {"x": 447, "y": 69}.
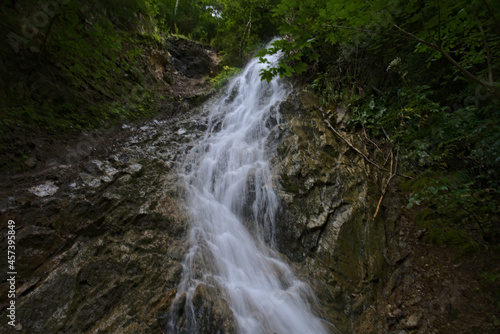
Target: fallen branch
{"x": 357, "y": 150}
{"x": 367, "y": 138}
{"x": 388, "y": 181}
{"x": 371, "y": 141}
{"x": 351, "y": 145}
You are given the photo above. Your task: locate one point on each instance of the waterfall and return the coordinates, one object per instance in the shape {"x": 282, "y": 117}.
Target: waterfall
{"x": 232, "y": 207}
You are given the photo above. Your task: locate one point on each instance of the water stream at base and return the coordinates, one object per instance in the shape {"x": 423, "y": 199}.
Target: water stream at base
{"x": 232, "y": 207}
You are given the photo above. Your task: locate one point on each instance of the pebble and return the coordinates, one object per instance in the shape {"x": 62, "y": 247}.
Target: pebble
{"x": 413, "y": 320}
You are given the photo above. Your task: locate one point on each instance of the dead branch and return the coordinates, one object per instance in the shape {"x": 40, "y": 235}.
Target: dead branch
{"x": 367, "y": 138}
{"x": 493, "y": 89}
{"x": 351, "y": 145}
{"x": 357, "y": 150}
{"x": 492, "y": 13}
{"x": 391, "y": 175}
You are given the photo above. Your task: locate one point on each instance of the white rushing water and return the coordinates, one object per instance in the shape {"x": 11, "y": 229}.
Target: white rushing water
{"x": 232, "y": 207}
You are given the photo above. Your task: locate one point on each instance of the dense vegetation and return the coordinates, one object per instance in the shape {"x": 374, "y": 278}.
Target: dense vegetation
{"x": 418, "y": 79}
{"x": 69, "y": 65}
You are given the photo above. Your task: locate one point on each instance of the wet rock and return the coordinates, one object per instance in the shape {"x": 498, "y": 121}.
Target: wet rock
{"x": 35, "y": 245}
{"x": 213, "y": 312}
{"x": 133, "y": 169}
{"x": 93, "y": 167}
{"x": 46, "y": 189}
{"x": 105, "y": 256}
{"x": 327, "y": 198}
{"x": 413, "y": 321}
{"x": 89, "y": 180}
{"x": 190, "y": 58}
{"x": 8, "y": 203}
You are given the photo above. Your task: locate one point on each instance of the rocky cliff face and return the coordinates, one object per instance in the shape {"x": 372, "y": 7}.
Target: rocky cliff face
{"x": 101, "y": 232}
{"x": 100, "y": 223}
{"x": 370, "y": 275}
{"x": 100, "y": 244}
{"x": 100, "y": 241}
{"x": 328, "y": 196}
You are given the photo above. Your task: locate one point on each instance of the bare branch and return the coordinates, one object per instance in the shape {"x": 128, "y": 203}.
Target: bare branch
{"x": 357, "y": 150}
{"x": 391, "y": 175}
{"x": 440, "y": 43}
{"x": 488, "y": 51}
{"x": 352, "y": 28}
{"x": 492, "y": 15}
{"x": 491, "y": 87}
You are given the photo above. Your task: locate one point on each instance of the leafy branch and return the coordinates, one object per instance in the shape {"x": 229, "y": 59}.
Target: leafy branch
{"x": 494, "y": 90}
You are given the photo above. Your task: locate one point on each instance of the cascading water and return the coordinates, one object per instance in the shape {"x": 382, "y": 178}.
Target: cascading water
{"x": 232, "y": 207}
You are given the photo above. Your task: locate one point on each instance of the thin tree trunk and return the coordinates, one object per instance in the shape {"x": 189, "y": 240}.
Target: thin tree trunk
{"x": 493, "y": 89}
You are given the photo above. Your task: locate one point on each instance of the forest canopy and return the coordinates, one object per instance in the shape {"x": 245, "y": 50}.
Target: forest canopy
{"x": 420, "y": 77}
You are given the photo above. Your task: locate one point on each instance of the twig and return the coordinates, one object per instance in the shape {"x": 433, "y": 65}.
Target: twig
{"x": 476, "y": 220}
{"x": 494, "y": 90}
{"x": 387, "y": 158}
{"x": 492, "y": 13}
{"x": 352, "y": 28}
{"x": 47, "y": 33}
{"x": 440, "y": 43}
{"x": 397, "y": 160}
{"x": 488, "y": 51}
{"x": 378, "y": 91}
{"x": 351, "y": 145}
{"x": 357, "y": 150}
{"x": 385, "y": 133}
{"x": 366, "y": 136}
{"x": 387, "y": 183}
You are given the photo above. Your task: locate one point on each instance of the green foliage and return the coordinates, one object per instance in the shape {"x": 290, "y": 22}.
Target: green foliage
{"x": 491, "y": 277}
{"x": 454, "y": 154}
{"x": 418, "y": 77}
{"x": 83, "y": 67}
{"x": 188, "y": 18}
{"x": 242, "y": 27}
{"x": 79, "y": 69}
{"x": 407, "y": 116}
{"x": 447, "y": 236}
{"x": 463, "y": 33}
{"x": 442, "y": 232}
{"x": 223, "y": 77}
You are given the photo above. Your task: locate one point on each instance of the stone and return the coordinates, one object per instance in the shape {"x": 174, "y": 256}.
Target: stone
{"x": 133, "y": 169}
{"x": 8, "y": 203}
{"x": 413, "y": 321}
{"x": 89, "y": 180}
{"x": 46, "y": 189}
{"x": 93, "y": 167}
{"x": 105, "y": 257}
